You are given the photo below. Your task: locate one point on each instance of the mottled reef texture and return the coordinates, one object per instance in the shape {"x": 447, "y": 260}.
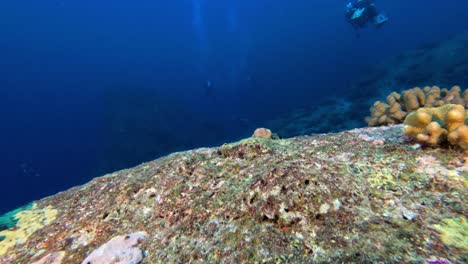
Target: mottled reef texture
{"x": 361, "y": 196}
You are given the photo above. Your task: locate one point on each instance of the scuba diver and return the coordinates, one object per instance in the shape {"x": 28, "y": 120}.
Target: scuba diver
{"x": 361, "y": 12}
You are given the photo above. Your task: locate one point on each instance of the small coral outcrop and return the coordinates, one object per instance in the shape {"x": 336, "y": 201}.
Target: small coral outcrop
{"x": 262, "y": 133}
{"x": 436, "y": 125}
{"x": 265, "y": 133}
{"x": 399, "y": 105}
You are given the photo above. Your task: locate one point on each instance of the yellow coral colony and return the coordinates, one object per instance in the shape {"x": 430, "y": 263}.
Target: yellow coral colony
{"x": 454, "y": 232}
{"x": 29, "y": 221}
{"x": 434, "y": 125}
{"x": 398, "y": 106}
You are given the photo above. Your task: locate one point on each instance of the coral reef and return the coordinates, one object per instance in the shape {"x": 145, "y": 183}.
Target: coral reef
{"x": 360, "y": 196}
{"x": 436, "y": 125}
{"x": 399, "y": 105}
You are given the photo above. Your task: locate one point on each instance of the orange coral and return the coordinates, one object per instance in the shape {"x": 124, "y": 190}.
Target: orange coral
{"x": 459, "y": 137}
{"x": 398, "y": 106}
{"x": 435, "y": 125}
{"x": 419, "y": 120}
{"x": 433, "y": 135}
{"x": 262, "y": 133}
{"x": 455, "y": 118}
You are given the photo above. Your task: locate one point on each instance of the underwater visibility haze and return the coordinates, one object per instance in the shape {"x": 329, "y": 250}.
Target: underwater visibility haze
{"x": 91, "y": 87}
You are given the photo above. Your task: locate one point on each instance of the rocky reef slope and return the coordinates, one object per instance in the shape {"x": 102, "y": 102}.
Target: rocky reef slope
{"x": 444, "y": 64}
{"x": 361, "y": 196}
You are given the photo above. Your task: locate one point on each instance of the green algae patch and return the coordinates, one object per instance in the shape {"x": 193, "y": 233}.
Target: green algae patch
{"x": 454, "y": 232}
{"x": 26, "y": 221}
{"x": 382, "y": 179}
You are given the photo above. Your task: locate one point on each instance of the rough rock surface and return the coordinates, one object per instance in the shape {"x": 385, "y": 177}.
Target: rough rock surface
{"x": 361, "y": 196}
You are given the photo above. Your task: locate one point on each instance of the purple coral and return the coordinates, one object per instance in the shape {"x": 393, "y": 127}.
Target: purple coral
{"x": 118, "y": 250}
{"x": 435, "y": 260}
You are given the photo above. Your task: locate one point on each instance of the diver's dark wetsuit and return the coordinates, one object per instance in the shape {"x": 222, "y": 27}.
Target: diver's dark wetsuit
{"x": 360, "y": 12}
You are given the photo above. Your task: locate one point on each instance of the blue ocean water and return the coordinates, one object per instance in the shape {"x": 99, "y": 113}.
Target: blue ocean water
{"x": 89, "y": 87}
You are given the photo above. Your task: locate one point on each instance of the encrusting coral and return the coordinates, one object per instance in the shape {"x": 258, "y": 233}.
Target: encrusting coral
{"x": 399, "y": 105}
{"x": 435, "y": 125}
